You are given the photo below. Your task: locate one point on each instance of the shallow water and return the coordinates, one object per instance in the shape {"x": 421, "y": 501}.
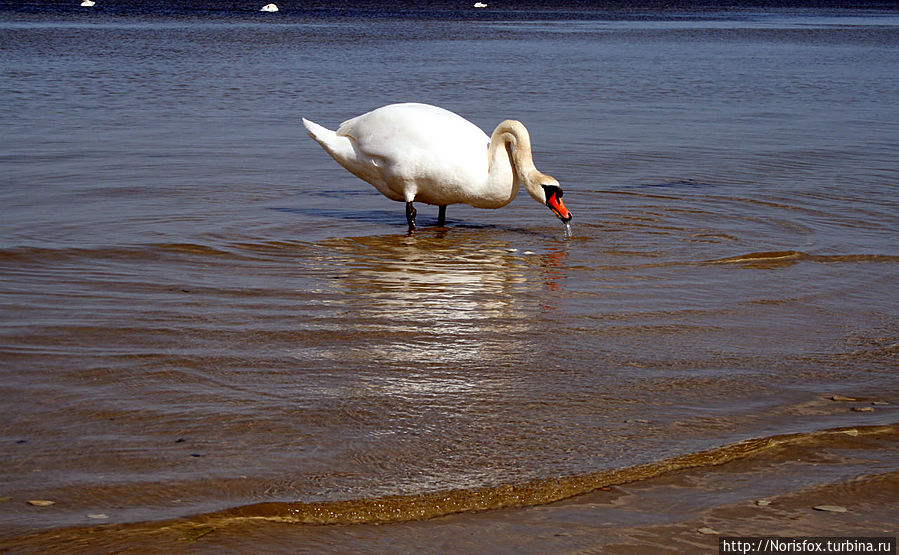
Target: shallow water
{"x": 202, "y": 312}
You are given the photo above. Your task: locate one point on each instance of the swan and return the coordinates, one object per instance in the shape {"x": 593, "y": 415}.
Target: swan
{"x": 271, "y": 8}
{"x": 480, "y": 5}
{"x": 417, "y": 152}
{"x": 87, "y": 3}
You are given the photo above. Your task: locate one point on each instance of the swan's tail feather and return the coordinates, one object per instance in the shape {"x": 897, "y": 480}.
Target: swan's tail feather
{"x": 339, "y": 147}
{"x": 315, "y": 130}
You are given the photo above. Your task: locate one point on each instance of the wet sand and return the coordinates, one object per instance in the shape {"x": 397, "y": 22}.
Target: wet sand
{"x": 771, "y": 491}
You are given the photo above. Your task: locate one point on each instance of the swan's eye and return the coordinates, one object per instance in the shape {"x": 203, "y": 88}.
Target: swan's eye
{"x": 551, "y": 190}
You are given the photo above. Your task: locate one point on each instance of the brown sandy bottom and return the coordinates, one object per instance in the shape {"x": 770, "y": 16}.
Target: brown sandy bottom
{"x": 771, "y": 491}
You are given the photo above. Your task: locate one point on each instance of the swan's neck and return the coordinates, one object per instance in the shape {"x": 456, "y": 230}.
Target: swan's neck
{"x": 510, "y": 161}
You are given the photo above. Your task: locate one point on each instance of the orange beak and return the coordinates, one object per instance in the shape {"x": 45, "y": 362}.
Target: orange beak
{"x": 554, "y": 201}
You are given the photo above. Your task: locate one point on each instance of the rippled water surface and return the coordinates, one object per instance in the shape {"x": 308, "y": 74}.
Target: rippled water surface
{"x": 200, "y": 311}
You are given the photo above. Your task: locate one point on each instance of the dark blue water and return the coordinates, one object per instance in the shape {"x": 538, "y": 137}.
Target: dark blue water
{"x": 448, "y": 9}
{"x": 200, "y": 310}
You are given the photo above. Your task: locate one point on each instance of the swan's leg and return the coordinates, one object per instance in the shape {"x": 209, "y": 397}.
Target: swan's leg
{"x": 441, "y": 215}
{"x": 410, "y": 215}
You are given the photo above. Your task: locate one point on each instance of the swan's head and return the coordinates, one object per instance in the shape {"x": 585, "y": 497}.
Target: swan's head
{"x": 550, "y": 193}
{"x": 542, "y": 188}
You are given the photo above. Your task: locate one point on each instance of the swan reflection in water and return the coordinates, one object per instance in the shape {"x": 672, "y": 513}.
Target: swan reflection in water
{"x": 462, "y": 302}
{"x": 429, "y": 336}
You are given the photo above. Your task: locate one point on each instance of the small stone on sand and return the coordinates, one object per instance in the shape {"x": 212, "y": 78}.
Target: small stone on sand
{"x": 40, "y": 502}
{"x": 841, "y": 398}
{"x": 763, "y": 502}
{"x": 863, "y": 409}
{"x": 830, "y": 508}
{"x": 708, "y": 531}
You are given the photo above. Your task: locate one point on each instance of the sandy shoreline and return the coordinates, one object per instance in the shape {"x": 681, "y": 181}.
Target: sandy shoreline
{"x": 770, "y": 492}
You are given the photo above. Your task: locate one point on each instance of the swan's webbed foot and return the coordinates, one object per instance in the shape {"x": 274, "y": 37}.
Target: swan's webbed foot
{"x": 410, "y": 215}
{"x": 441, "y": 215}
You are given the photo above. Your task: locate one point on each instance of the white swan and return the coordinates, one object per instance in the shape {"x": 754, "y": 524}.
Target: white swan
{"x": 480, "y": 5}
{"x": 87, "y": 3}
{"x": 417, "y": 152}
{"x": 271, "y": 8}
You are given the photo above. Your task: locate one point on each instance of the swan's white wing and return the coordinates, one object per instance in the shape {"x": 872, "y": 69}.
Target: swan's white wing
{"x": 344, "y": 149}
{"x": 442, "y": 155}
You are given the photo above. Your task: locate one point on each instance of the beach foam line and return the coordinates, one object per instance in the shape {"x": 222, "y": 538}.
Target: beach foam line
{"x": 791, "y": 256}
{"x": 404, "y": 508}
{"x": 761, "y": 257}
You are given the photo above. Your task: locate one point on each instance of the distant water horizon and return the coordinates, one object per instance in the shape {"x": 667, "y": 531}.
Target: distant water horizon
{"x": 454, "y": 9}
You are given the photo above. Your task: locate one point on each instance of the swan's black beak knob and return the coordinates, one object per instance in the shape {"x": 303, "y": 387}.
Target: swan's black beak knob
{"x": 554, "y": 201}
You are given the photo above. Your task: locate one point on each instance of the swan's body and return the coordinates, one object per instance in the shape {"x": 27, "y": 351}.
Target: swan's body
{"x": 417, "y": 152}
{"x": 269, "y": 8}
{"x": 87, "y": 3}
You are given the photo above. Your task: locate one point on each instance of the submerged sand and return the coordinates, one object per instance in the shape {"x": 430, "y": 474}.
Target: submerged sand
{"x": 772, "y": 489}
